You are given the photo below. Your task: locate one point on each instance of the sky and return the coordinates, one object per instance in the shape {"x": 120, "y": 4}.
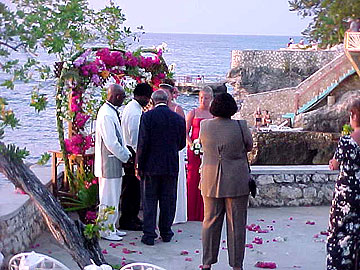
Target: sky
{"x": 247, "y": 17}
{"x": 238, "y": 17}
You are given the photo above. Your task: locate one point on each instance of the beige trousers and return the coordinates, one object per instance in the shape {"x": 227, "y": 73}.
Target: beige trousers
{"x": 236, "y": 218}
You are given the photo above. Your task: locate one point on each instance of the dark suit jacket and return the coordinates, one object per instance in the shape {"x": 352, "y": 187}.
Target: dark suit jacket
{"x": 161, "y": 137}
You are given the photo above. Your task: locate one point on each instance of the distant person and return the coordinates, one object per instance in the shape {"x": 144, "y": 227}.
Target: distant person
{"x": 343, "y": 245}
{"x": 110, "y": 154}
{"x": 181, "y": 201}
{"x": 354, "y": 25}
{"x": 194, "y": 117}
{"x": 266, "y": 119}
{"x": 291, "y": 41}
{"x": 224, "y": 181}
{"x": 161, "y": 137}
{"x": 130, "y": 121}
{"x": 258, "y": 117}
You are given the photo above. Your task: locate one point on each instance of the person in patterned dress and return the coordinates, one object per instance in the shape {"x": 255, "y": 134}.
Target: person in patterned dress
{"x": 343, "y": 244}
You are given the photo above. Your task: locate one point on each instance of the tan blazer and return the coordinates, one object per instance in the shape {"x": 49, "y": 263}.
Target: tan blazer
{"x": 224, "y": 169}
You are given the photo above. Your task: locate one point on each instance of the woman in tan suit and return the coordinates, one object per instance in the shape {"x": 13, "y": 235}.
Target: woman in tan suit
{"x": 224, "y": 181}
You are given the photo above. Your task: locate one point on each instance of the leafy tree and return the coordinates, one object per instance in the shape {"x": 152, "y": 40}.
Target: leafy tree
{"x": 61, "y": 28}
{"x": 329, "y": 18}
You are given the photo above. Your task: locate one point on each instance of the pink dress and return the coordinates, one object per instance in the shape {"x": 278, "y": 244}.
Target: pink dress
{"x": 195, "y": 205}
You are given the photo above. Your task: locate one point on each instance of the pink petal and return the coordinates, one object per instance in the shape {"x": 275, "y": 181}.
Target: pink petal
{"x": 132, "y": 243}
{"x": 249, "y": 246}
{"x": 197, "y": 251}
{"x": 290, "y": 218}
{"x": 104, "y": 251}
{"x": 184, "y": 252}
{"x": 179, "y": 230}
{"x": 309, "y": 222}
{"x": 324, "y": 233}
{"x": 268, "y": 265}
{"x": 188, "y": 259}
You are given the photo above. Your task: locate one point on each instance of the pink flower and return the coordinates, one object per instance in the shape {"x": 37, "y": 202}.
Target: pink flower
{"x": 80, "y": 120}
{"x": 268, "y": 265}
{"x": 90, "y": 216}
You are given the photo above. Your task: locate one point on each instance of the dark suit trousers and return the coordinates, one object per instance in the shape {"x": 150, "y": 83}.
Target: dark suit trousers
{"x": 236, "y": 216}
{"x": 162, "y": 189}
{"x": 130, "y": 197}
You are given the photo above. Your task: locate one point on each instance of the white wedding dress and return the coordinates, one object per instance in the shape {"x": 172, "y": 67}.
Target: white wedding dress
{"x": 181, "y": 201}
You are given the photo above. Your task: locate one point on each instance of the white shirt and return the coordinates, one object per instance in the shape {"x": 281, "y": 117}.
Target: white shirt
{"x": 130, "y": 123}
{"x": 107, "y": 123}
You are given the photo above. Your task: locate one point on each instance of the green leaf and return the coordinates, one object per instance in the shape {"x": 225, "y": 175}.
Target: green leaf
{"x": 45, "y": 157}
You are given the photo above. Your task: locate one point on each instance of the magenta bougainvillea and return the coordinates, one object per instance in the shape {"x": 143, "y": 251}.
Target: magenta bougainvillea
{"x": 95, "y": 66}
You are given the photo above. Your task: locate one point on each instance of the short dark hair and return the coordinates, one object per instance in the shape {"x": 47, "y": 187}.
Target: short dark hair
{"x": 354, "y": 108}
{"x": 169, "y": 81}
{"x": 143, "y": 89}
{"x": 223, "y": 105}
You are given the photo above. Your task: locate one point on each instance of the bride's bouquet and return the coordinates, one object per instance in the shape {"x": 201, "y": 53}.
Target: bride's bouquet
{"x": 196, "y": 147}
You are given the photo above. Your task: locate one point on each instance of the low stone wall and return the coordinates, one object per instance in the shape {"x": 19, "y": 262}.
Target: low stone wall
{"x": 20, "y": 220}
{"x": 293, "y": 185}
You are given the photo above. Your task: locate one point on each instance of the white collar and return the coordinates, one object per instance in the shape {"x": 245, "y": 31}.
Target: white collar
{"x": 160, "y": 104}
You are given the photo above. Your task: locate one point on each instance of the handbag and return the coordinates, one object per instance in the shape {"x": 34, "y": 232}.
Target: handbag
{"x": 252, "y": 183}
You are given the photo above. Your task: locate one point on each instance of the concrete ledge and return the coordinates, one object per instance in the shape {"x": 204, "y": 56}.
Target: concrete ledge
{"x": 293, "y": 169}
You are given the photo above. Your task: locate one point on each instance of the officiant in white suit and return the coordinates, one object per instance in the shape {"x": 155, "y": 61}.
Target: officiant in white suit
{"x": 110, "y": 153}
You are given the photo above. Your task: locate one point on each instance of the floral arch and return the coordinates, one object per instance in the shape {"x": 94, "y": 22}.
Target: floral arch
{"x": 80, "y": 94}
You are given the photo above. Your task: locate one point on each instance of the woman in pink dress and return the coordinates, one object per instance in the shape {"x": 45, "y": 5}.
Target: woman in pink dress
{"x": 195, "y": 205}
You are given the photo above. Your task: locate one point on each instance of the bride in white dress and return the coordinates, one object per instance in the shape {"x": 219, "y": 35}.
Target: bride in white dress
{"x": 181, "y": 201}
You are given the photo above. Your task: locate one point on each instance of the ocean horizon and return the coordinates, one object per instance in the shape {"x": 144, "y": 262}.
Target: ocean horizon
{"x": 192, "y": 54}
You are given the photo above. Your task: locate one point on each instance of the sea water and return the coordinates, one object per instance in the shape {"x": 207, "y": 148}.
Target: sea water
{"x": 192, "y": 54}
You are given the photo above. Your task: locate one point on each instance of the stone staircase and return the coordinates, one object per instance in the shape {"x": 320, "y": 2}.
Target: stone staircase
{"x": 318, "y": 86}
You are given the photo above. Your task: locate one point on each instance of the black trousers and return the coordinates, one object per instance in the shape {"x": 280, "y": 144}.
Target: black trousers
{"x": 160, "y": 189}
{"x": 130, "y": 197}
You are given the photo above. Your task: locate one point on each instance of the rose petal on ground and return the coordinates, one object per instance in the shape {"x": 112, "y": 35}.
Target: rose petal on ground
{"x": 290, "y": 218}
{"x": 310, "y": 222}
{"x": 132, "y": 243}
{"x": 268, "y": 265}
{"x": 128, "y": 251}
{"x": 179, "y": 230}
{"x": 197, "y": 251}
{"x": 249, "y": 245}
{"x": 324, "y": 233}
{"x": 184, "y": 252}
{"x": 104, "y": 251}
{"x": 261, "y": 220}
{"x": 257, "y": 240}
{"x": 188, "y": 259}
{"x": 316, "y": 236}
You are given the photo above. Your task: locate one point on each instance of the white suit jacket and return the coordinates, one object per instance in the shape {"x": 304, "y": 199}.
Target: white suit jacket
{"x": 110, "y": 151}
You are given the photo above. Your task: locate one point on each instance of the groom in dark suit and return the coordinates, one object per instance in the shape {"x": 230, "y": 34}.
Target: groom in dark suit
{"x": 161, "y": 137}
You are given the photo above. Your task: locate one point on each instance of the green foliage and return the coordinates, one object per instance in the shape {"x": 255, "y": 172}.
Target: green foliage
{"x": 346, "y": 130}
{"x": 13, "y": 152}
{"x": 93, "y": 230}
{"x": 38, "y": 101}
{"x": 329, "y": 18}
{"x": 45, "y": 157}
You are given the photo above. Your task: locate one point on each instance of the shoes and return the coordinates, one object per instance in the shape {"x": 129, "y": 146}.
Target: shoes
{"x": 147, "y": 241}
{"x": 120, "y": 233}
{"x": 131, "y": 227}
{"x": 206, "y": 268}
{"x": 166, "y": 239}
{"x": 112, "y": 237}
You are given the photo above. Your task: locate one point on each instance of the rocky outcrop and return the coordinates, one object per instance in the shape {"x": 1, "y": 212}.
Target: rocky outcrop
{"x": 328, "y": 118}
{"x": 261, "y": 71}
{"x": 292, "y": 148}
